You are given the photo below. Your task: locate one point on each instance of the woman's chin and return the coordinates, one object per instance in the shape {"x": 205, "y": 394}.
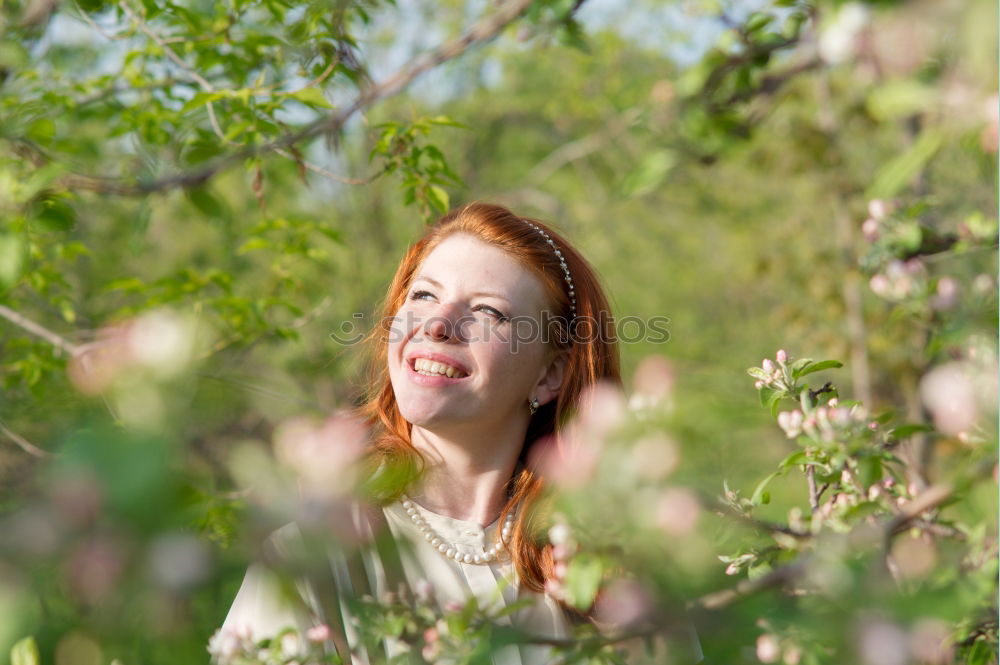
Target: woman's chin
{"x": 427, "y": 418}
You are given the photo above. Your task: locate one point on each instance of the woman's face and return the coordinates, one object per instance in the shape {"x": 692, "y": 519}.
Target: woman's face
{"x": 464, "y": 308}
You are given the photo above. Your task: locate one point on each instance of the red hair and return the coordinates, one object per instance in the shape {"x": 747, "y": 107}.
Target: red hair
{"x": 592, "y": 351}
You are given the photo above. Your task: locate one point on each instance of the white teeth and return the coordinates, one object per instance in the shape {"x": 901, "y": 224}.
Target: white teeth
{"x": 431, "y": 367}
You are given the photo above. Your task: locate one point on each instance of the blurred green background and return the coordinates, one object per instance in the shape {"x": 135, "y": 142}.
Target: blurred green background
{"x": 714, "y": 160}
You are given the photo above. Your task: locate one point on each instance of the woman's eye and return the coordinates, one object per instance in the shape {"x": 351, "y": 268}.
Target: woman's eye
{"x": 419, "y": 295}
{"x": 498, "y": 314}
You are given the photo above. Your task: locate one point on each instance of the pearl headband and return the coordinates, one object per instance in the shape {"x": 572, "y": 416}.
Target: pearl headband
{"x": 562, "y": 262}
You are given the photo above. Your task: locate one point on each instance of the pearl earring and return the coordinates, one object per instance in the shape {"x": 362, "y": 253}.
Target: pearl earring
{"x": 533, "y": 406}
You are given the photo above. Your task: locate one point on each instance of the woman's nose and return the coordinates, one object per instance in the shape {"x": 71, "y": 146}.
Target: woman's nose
{"x": 445, "y": 323}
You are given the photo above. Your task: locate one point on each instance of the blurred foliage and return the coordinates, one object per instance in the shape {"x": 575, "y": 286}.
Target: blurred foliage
{"x": 195, "y": 196}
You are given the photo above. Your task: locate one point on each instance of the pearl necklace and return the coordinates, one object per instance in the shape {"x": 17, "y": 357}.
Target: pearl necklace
{"x": 451, "y": 551}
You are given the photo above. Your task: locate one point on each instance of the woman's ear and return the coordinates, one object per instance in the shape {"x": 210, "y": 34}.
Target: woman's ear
{"x": 550, "y": 379}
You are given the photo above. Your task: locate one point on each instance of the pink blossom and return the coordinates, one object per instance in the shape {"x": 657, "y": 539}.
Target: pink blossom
{"x": 882, "y": 643}
{"x": 947, "y": 293}
{"x": 559, "y": 534}
{"x": 94, "y": 568}
{"x": 654, "y": 457}
{"x": 566, "y": 461}
{"x": 781, "y": 356}
{"x": 791, "y": 423}
{"x": 930, "y": 642}
{"x": 423, "y": 590}
{"x": 677, "y": 510}
{"x": 792, "y": 655}
{"x": 318, "y": 634}
{"x": 767, "y": 365}
{"x": 950, "y": 396}
{"x": 869, "y": 229}
{"x": 322, "y": 455}
{"x": 768, "y": 649}
{"x": 623, "y": 604}
{"x": 879, "y": 284}
{"x": 983, "y": 285}
{"x": 229, "y": 643}
{"x": 654, "y": 380}
{"x": 877, "y": 209}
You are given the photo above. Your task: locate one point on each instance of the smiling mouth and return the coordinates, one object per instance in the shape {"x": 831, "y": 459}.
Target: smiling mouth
{"x": 433, "y": 368}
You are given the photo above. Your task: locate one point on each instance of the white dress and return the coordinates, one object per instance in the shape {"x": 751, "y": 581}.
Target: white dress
{"x": 262, "y": 608}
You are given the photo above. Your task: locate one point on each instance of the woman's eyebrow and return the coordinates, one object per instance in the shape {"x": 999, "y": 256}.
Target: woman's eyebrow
{"x": 478, "y": 293}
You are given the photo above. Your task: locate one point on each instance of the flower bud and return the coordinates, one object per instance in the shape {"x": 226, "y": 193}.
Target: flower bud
{"x": 877, "y": 209}
{"x": 758, "y": 384}
{"x": 768, "y": 649}
{"x": 559, "y": 534}
{"x": 767, "y": 365}
{"x": 869, "y": 229}
{"x": 879, "y": 284}
{"x": 320, "y": 633}
{"x": 781, "y": 356}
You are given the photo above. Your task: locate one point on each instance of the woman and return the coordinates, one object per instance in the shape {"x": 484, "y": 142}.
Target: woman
{"x": 492, "y": 328}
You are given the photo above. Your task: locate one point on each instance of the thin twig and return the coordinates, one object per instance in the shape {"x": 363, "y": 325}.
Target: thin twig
{"x": 25, "y": 445}
{"x": 327, "y": 174}
{"x": 93, "y": 24}
{"x": 776, "y": 577}
{"x": 813, "y": 494}
{"x": 52, "y": 338}
{"x": 170, "y": 53}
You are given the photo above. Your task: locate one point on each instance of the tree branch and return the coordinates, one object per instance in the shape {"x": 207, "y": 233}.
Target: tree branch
{"x": 484, "y": 30}
{"x": 37, "y": 330}
{"x": 25, "y": 445}
{"x": 931, "y": 498}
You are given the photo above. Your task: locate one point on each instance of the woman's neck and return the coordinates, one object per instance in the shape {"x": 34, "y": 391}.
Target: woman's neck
{"x": 464, "y": 482}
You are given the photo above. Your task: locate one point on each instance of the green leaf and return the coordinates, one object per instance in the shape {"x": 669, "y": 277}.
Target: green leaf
{"x": 253, "y": 244}
{"x": 583, "y": 578}
{"x": 445, "y": 121}
{"x": 899, "y": 172}
{"x": 438, "y": 198}
{"x": 206, "y": 202}
{"x": 311, "y": 96}
{"x": 199, "y": 100}
{"x": 766, "y": 395}
{"x": 55, "y": 214}
{"x": 24, "y": 652}
{"x": 869, "y": 470}
{"x": 904, "y": 431}
{"x": 11, "y": 259}
{"x": 820, "y": 366}
{"x": 650, "y": 173}
{"x": 900, "y": 98}
{"x": 797, "y": 457}
{"x": 757, "y": 498}
{"x": 757, "y": 21}
{"x": 799, "y": 364}
{"x": 758, "y": 373}
{"x": 773, "y": 400}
